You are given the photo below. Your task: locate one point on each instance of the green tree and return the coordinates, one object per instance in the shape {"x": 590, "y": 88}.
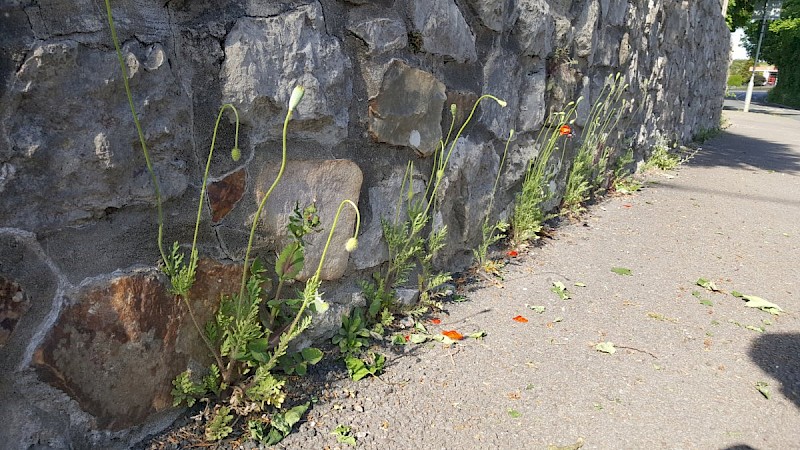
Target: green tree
{"x": 781, "y": 44}
{"x": 740, "y": 12}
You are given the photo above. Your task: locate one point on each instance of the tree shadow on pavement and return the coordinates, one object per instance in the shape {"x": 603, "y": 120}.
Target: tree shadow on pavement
{"x": 778, "y": 355}
{"x": 738, "y": 151}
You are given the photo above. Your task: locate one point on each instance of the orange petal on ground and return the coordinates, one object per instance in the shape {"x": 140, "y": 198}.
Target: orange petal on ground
{"x": 520, "y": 319}
{"x": 513, "y": 253}
{"x": 436, "y": 321}
{"x": 453, "y": 334}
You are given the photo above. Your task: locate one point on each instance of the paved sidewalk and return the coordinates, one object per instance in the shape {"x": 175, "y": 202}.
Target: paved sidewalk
{"x": 686, "y": 367}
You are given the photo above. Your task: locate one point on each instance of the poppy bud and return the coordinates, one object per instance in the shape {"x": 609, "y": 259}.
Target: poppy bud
{"x": 453, "y": 109}
{"x": 351, "y": 245}
{"x": 297, "y": 95}
{"x": 502, "y": 103}
{"x": 236, "y": 154}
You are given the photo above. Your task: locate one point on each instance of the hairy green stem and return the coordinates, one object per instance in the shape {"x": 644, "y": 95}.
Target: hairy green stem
{"x": 139, "y": 131}
{"x": 268, "y": 193}
{"x": 208, "y": 167}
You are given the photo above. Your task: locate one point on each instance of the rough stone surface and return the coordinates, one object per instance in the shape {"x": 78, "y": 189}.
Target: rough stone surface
{"x": 13, "y": 305}
{"x": 534, "y": 28}
{"x": 408, "y": 109}
{"x": 496, "y": 15}
{"x": 325, "y": 184}
{"x": 77, "y": 206}
{"x": 265, "y": 58}
{"x": 380, "y": 29}
{"x": 79, "y": 150}
{"x": 117, "y": 332}
{"x": 443, "y": 29}
{"x": 466, "y": 201}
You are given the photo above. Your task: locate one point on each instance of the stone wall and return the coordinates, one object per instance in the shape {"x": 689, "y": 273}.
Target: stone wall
{"x": 90, "y": 339}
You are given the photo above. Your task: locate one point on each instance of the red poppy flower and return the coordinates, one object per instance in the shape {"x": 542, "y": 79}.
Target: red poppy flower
{"x": 453, "y": 334}
{"x": 520, "y": 319}
{"x": 407, "y": 337}
{"x": 565, "y": 130}
{"x": 436, "y": 321}
{"x": 513, "y": 253}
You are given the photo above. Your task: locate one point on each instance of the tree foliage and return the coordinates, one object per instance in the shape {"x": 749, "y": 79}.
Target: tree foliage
{"x": 781, "y": 44}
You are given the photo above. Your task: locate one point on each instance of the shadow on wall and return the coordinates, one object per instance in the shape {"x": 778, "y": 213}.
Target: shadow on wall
{"x": 740, "y": 447}
{"x": 779, "y": 356}
{"x": 743, "y": 152}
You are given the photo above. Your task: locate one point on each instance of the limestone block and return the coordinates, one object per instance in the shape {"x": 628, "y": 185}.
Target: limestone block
{"x": 381, "y": 29}
{"x": 443, "y": 29}
{"x": 614, "y": 11}
{"x": 72, "y": 158}
{"x": 501, "y": 79}
{"x": 533, "y": 83}
{"x": 123, "y": 330}
{"x": 496, "y": 15}
{"x": 534, "y": 28}
{"x": 408, "y": 109}
{"x": 265, "y": 58}
{"x": 585, "y": 29}
{"x": 324, "y": 183}
{"x": 465, "y": 191}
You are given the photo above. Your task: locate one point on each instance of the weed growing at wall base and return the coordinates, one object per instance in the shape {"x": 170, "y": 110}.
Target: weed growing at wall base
{"x": 588, "y": 174}
{"x": 246, "y": 349}
{"x": 492, "y": 233}
{"x": 529, "y": 217}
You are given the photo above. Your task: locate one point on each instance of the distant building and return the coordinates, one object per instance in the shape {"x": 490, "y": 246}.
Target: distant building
{"x": 770, "y": 74}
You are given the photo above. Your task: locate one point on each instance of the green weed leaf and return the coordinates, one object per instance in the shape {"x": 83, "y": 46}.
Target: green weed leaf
{"x": 707, "y": 284}
{"x": 561, "y": 290}
{"x": 622, "y": 271}
{"x": 763, "y": 387}
{"x": 290, "y": 261}
{"x": 344, "y": 436}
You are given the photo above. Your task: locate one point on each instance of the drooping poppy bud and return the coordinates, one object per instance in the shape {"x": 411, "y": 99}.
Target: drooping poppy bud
{"x": 297, "y": 95}
{"x": 236, "y": 154}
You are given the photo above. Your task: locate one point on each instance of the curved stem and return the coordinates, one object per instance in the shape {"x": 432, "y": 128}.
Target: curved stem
{"x": 139, "y": 131}
{"x": 314, "y": 282}
{"x": 193, "y": 254}
{"x": 261, "y": 207}
{"x": 455, "y": 141}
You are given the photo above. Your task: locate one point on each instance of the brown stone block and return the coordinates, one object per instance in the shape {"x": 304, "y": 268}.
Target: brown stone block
{"x": 116, "y": 348}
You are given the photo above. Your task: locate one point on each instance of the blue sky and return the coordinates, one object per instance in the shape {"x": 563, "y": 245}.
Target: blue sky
{"x": 738, "y": 51}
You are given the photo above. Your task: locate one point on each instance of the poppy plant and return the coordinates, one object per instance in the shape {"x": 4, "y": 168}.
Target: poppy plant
{"x": 565, "y": 130}
{"x": 520, "y": 319}
{"x": 453, "y": 334}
